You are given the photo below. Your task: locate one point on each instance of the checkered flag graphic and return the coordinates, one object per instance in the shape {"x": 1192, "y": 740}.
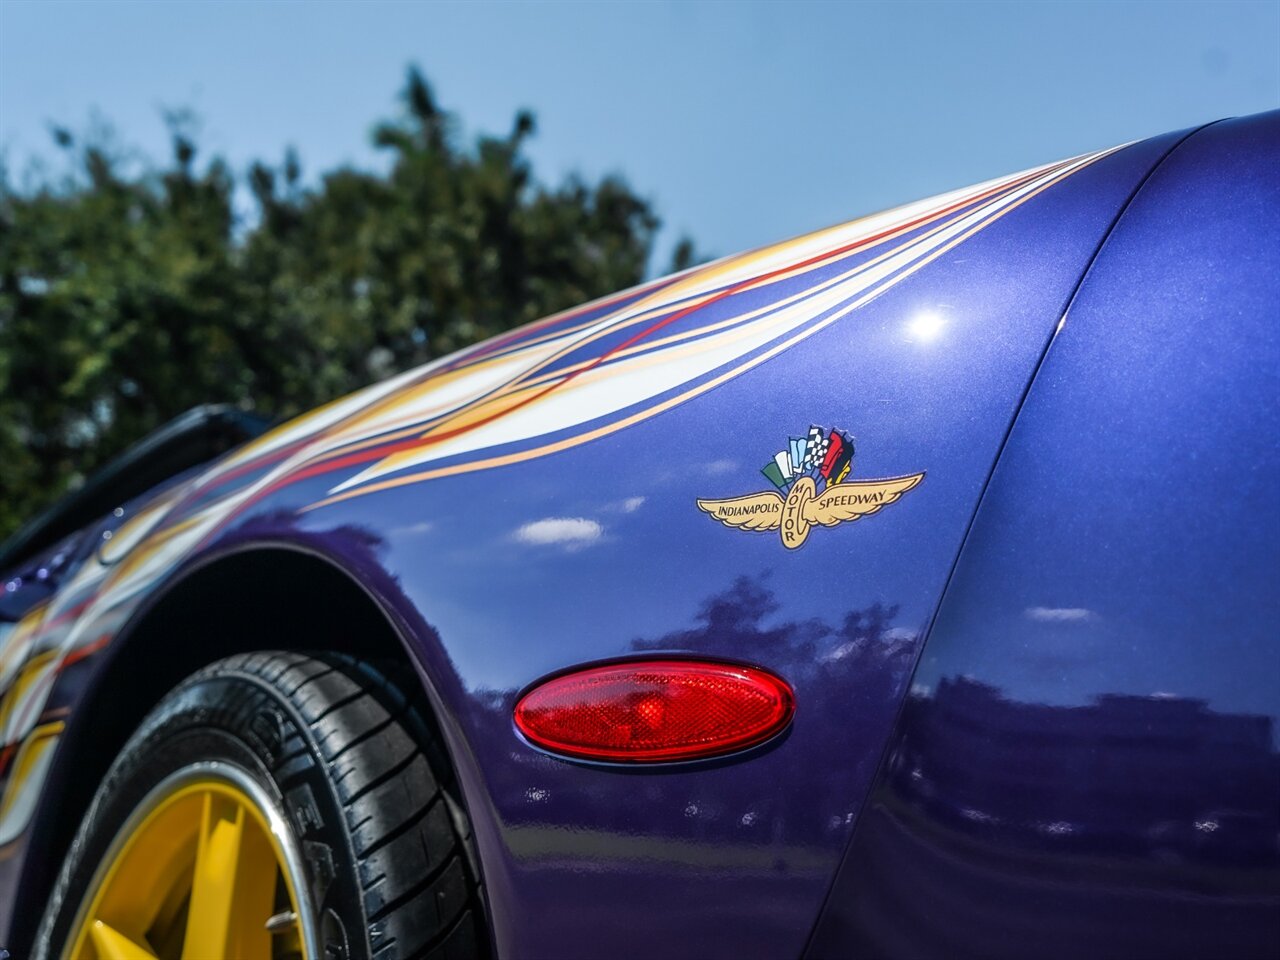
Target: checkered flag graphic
{"x": 815, "y": 449}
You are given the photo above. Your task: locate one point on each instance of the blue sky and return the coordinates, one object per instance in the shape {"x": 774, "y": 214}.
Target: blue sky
{"x": 745, "y": 123}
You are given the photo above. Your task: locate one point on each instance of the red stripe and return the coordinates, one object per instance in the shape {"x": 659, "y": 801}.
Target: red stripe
{"x": 538, "y": 326}
{"x": 377, "y": 453}
{"x": 263, "y": 460}
{"x": 65, "y": 615}
{"x": 364, "y": 456}
{"x": 46, "y": 681}
{"x": 88, "y": 650}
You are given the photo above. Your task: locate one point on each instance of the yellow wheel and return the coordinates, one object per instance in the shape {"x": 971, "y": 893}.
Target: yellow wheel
{"x": 202, "y": 869}
{"x": 272, "y": 806}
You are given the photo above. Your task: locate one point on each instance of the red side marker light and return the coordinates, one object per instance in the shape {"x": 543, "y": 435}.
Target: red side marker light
{"x": 654, "y": 711}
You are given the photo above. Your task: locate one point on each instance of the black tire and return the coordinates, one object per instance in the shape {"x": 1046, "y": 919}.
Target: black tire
{"x": 345, "y": 755}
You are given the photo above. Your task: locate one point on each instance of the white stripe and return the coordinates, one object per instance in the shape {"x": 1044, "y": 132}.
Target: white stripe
{"x": 629, "y": 382}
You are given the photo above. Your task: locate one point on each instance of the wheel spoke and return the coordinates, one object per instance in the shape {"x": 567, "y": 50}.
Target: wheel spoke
{"x": 232, "y": 887}
{"x": 213, "y": 882}
{"x": 198, "y": 873}
{"x": 110, "y": 944}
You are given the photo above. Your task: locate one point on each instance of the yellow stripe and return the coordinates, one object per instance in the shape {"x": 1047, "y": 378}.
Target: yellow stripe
{"x": 35, "y": 746}
{"x": 643, "y": 415}
{"x": 496, "y": 403}
{"x": 30, "y": 672}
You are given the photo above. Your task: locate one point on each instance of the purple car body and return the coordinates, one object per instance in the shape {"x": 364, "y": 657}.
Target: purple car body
{"x": 1037, "y": 693}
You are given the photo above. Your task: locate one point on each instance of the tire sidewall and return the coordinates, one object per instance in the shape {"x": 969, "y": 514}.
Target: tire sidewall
{"x": 233, "y": 718}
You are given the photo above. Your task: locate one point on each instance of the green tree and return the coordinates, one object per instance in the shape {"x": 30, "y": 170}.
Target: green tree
{"x": 129, "y": 296}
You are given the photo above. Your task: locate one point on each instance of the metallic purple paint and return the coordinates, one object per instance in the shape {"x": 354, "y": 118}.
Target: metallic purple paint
{"x": 731, "y": 857}
{"x": 1088, "y": 763}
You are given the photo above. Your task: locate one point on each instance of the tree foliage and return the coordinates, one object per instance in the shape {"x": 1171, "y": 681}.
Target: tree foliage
{"x": 128, "y": 296}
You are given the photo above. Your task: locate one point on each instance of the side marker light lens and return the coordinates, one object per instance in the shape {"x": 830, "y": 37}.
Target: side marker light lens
{"x": 655, "y": 711}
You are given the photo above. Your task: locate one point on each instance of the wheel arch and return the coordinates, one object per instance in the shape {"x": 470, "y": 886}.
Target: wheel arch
{"x": 278, "y": 596}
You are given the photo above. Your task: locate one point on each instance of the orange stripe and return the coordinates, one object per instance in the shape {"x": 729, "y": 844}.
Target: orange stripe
{"x": 570, "y": 442}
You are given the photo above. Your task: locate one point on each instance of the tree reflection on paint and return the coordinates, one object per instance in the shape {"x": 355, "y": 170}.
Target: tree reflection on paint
{"x": 828, "y": 663}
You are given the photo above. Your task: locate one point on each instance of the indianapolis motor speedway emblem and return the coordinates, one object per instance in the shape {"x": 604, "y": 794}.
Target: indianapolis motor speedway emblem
{"x": 811, "y": 487}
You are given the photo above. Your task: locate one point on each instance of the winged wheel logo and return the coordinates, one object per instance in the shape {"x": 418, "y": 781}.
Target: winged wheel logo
{"x": 812, "y": 488}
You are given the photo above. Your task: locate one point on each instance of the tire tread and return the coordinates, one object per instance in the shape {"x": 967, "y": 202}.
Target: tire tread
{"x": 420, "y": 898}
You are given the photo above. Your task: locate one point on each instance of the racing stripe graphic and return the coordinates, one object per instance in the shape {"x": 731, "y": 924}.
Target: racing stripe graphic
{"x": 624, "y": 376}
